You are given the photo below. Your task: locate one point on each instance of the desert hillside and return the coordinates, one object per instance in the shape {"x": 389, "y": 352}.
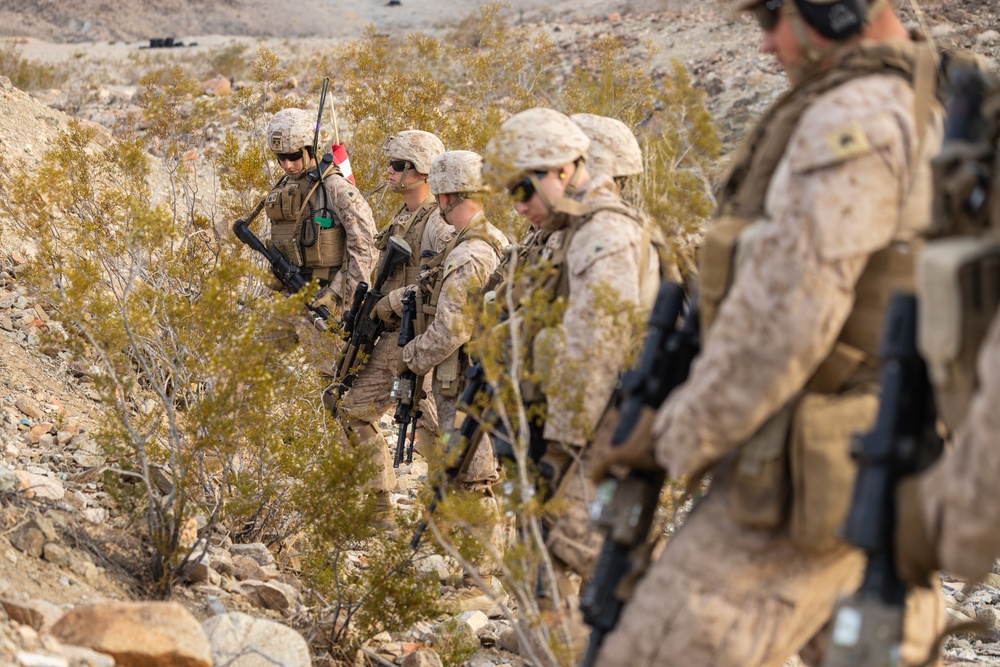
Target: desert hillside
{"x": 69, "y": 547}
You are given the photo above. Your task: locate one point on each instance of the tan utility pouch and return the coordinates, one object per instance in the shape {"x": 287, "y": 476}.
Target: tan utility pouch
{"x": 329, "y": 248}
{"x": 958, "y": 283}
{"x": 822, "y": 470}
{"x": 718, "y": 265}
{"x": 449, "y": 376}
{"x": 285, "y": 237}
{"x": 760, "y": 479}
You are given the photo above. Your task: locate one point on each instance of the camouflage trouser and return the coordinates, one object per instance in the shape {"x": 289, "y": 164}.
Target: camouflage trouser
{"x": 571, "y": 538}
{"x": 484, "y": 467}
{"x": 723, "y": 595}
{"x": 368, "y": 399}
{"x": 483, "y": 472}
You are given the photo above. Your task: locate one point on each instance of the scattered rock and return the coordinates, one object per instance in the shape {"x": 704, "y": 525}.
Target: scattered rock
{"x": 257, "y": 642}
{"x": 217, "y": 86}
{"x": 29, "y": 407}
{"x": 271, "y": 594}
{"x": 37, "y": 614}
{"x": 25, "y": 659}
{"x": 28, "y": 539}
{"x": 257, "y": 550}
{"x": 151, "y": 634}
{"x": 475, "y": 620}
{"x": 40, "y": 486}
{"x": 57, "y": 555}
{"x": 9, "y": 481}
{"x": 424, "y": 657}
{"x": 245, "y": 568}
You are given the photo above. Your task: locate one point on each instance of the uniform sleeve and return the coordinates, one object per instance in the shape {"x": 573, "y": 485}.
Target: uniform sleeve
{"x": 359, "y": 224}
{"x": 959, "y": 496}
{"x": 604, "y": 265}
{"x": 467, "y": 268}
{"x": 835, "y": 199}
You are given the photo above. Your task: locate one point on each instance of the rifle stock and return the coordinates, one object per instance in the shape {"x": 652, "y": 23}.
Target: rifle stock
{"x": 626, "y": 506}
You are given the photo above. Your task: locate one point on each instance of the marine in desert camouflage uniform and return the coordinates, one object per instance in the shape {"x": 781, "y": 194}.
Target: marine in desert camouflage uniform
{"x": 597, "y": 254}
{"x": 815, "y": 222}
{"x": 458, "y": 273}
{"x": 419, "y": 223}
{"x": 342, "y": 250}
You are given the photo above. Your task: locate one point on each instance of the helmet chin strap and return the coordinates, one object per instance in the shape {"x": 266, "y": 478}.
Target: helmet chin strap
{"x": 400, "y": 187}
{"x": 457, "y": 198}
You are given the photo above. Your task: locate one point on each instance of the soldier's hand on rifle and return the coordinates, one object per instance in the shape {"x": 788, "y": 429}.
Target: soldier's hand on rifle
{"x": 401, "y": 365}
{"x": 384, "y": 311}
{"x": 638, "y": 452}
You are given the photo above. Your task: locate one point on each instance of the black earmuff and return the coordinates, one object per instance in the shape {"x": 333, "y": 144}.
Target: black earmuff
{"x": 838, "y": 20}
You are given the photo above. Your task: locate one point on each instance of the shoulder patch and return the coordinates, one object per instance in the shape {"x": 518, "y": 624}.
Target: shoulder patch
{"x": 449, "y": 267}
{"x": 847, "y": 142}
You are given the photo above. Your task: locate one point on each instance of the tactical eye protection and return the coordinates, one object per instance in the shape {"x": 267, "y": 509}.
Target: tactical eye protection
{"x": 289, "y": 157}
{"x": 399, "y": 166}
{"x": 523, "y": 190}
{"x": 767, "y": 14}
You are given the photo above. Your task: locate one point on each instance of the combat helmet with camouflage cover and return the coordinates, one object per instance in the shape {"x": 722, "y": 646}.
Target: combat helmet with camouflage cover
{"x": 614, "y": 150}
{"x": 289, "y": 130}
{"x": 834, "y": 19}
{"x": 537, "y": 139}
{"x": 417, "y": 147}
{"x": 456, "y": 172}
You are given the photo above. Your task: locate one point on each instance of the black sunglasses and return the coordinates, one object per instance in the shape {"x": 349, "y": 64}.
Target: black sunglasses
{"x": 767, "y": 14}
{"x": 523, "y": 190}
{"x": 399, "y": 165}
{"x": 289, "y": 157}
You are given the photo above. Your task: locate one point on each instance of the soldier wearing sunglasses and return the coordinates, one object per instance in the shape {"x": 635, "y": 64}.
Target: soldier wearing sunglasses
{"x": 592, "y": 261}
{"x": 813, "y": 231}
{"x": 419, "y": 222}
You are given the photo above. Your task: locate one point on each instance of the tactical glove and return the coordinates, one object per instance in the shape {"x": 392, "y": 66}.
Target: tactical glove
{"x": 383, "y": 310}
{"x": 638, "y": 452}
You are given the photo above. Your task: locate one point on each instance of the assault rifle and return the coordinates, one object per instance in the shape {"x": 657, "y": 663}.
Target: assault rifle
{"x": 407, "y": 389}
{"x": 361, "y": 330}
{"x": 285, "y": 271}
{"x": 625, "y": 506}
{"x": 462, "y": 443}
{"x": 868, "y": 626}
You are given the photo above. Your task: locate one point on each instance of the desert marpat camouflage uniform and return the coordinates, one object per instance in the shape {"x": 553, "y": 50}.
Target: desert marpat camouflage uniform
{"x": 369, "y": 397}
{"x": 466, "y": 267}
{"x": 612, "y": 269}
{"x": 724, "y": 593}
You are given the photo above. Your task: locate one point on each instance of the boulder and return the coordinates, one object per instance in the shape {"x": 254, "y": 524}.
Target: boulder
{"x": 240, "y": 640}
{"x": 151, "y": 634}
{"x": 29, "y": 407}
{"x": 39, "y": 486}
{"x": 245, "y": 568}
{"x": 28, "y": 539}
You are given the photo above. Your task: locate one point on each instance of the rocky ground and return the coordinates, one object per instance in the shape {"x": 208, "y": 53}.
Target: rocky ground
{"x": 61, "y": 586}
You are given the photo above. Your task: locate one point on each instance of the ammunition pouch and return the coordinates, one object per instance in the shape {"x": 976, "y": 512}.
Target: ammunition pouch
{"x": 449, "y": 375}
{"x": 822, "y": 470}
{"x": 798, "y": 467}
{"x": 958, "y": 284}
{"x": 329, "y": 250}
{"x": 285, "y": 239}
{"x": 760, "y": 484}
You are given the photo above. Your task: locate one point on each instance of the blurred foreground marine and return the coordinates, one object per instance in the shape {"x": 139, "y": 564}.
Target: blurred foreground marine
{"x": 319, "y": 222}
{"x": 444, "y": 320}
{"x": 418, "y": 222}
{"x": 948, "y": 516}
{"x": 593, "y": 278}
{"x": 814, "y": 231}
